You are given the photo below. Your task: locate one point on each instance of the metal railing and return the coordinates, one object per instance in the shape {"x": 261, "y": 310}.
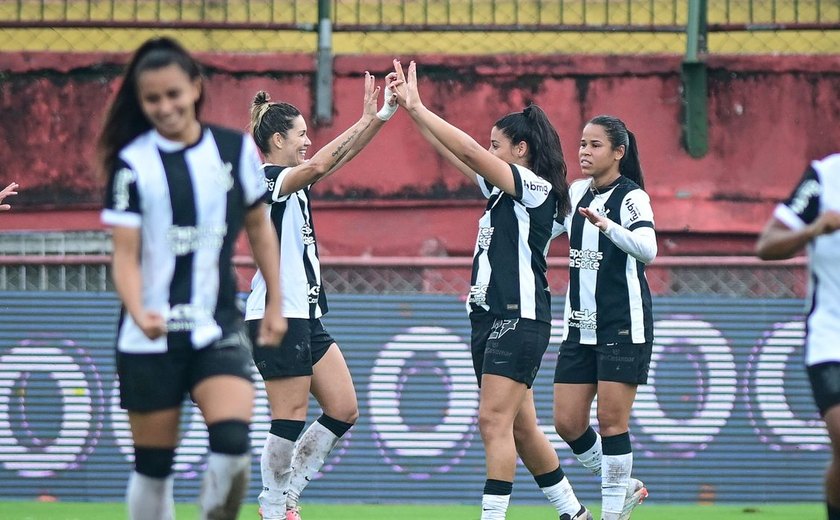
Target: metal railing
{"x": 668, "y": 276}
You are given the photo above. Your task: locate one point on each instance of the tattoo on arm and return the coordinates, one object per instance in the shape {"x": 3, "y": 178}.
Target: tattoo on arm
{"x": 343, "y": 148}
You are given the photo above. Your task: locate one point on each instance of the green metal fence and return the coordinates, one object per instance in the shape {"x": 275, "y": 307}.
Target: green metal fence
{"x": 413, "y": 26}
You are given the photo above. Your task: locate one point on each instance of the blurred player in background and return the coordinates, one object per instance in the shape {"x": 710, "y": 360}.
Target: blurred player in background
{"x": 608, "y": 329}
{"x": 309, "y": 359}
{"x": 11, "y": 189}
{"x": 178, "y": 194}
{"x": 523, "y": 176}
{"x": 809, "y": 218}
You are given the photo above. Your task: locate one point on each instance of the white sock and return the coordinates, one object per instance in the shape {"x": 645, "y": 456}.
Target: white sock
{"x": 276, "y": 469}
{"x": 150, "y": 498}
{"x": 311, "y": 451}
{"x": 614, "y": 482}
{"x": 494, "y": 507}
{"x": 562, "y": 497}
{"x": 224, "y": 486}
{"x": 591, "y": 458}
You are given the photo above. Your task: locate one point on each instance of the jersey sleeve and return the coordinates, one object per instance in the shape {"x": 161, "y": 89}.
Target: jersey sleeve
{"x": 253, "y": 180}
{"x": 274, "y": 176}
{"x": 803, "y": 205}
{"x": 636, "y": 211}
{"x": 485, "y": 187}
{"x": 122, "y": 198}
{"x": 531, "y": 189}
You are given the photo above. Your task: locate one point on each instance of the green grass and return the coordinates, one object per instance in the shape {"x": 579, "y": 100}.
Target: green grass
{"x": 111, "y": 511}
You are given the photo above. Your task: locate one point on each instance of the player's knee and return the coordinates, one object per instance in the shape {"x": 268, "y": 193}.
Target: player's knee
{"x": 229, "y": 437}
{"x": 154, "y": 462}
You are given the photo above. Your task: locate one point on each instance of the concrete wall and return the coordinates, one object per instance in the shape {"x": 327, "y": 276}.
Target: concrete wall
{"x": 768, "y": 116}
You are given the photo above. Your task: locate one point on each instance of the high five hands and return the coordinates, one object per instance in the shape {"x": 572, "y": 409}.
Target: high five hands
{"x": 404, "y": 86}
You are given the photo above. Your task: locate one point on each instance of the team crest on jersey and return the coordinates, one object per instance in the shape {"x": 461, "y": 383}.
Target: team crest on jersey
{"x": 485, "y": 235}
{"x": 306, "y": 233}
{"x": 223, "y": 176}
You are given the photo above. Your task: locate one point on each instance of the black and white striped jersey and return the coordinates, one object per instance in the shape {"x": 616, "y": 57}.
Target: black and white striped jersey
{"x": 300, "y": 273}
{"x": 608, "y": 299}
{"x": 509, "y": 266}
{"x": 817, "y": 192}
{"x": 189, "y": 203}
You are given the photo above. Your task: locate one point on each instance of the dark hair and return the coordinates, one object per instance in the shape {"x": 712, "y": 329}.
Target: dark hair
{"x": 619, "y": 135}
{"x": 544, "y": 149}
{"x": 269, "y": 118}
{"x": 125, "y": 119}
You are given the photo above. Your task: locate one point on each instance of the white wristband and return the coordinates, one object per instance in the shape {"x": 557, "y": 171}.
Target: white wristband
{"x": 388, "y": 110}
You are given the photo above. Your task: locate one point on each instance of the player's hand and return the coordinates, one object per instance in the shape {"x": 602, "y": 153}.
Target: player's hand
{"x": 11, "y": 189}
{"x": 405, "y": 86}
{"x": 272, "y": 329}
{"x": 599, "y": 221}
{"x": 371, "y": 96}
{"x": 152, "y": 324}
{"x": 828, "y": 222}
{"x": 389, "y": 108}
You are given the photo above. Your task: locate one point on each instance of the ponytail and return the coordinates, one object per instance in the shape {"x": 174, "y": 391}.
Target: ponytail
{"x": 619, "y": 135}
{"x": 545, "y": 153}
{"x": 269, "y": 118}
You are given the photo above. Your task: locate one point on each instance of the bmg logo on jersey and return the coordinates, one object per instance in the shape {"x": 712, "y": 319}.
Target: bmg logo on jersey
{"x": 808, "y": 190}
{"x": 312, "y": 293}
{"x": 122, "y": 179}
{"x": 307, "y": 236}
{"x": 585, "y": 259}
{"x": 584, "y": 319}
{"x": 631, "y": 208}
{"x": 485, "y": 235}
{"x": 535, "y": 186}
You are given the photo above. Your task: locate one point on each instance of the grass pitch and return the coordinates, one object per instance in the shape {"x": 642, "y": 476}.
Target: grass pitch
{"x": 112, "y": 511}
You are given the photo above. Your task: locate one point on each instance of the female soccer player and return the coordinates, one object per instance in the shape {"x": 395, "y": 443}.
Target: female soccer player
{"x": 523, "y": 176}
{"x": 608, "y": 332}
{"x": 178, "y": 194}
{"x": 811, "y": 217}
{"x": 308, "y": 360}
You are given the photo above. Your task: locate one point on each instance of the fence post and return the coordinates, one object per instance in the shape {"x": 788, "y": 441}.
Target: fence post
{"x": 694, "y": 80}
{"x": 324, "y": 69}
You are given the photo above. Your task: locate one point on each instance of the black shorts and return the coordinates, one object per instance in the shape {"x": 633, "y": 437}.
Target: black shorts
{"x": 620, "y": 362}
{"x": 825, "y": 385}
{"x": 150, "y": 382}
{"x": 305, "y": 343}
{"x": 511, "y": 348}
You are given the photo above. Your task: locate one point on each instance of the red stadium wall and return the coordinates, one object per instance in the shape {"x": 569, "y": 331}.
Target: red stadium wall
{"x": 768, "y": 116}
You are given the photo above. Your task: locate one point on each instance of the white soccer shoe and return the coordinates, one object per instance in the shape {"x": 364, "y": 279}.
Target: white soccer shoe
{"x": 636, "y": 494}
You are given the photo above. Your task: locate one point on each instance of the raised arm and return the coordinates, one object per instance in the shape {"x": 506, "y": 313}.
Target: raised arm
{"x": 463, "y": 151}
{"x": 343, "y": 148}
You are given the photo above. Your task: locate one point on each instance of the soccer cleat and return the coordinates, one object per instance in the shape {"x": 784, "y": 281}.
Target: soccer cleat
{"x": 293, "y": 513}
{"x": 636, "y": 494}
{"x": 583, "y": 514}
